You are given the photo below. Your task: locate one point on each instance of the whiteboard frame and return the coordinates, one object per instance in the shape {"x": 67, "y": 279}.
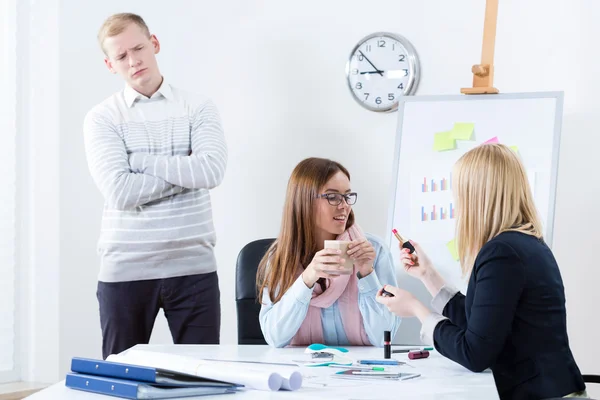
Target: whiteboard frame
{"x": 558, "y": 116}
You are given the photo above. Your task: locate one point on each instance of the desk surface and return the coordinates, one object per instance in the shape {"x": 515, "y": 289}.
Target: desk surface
{"x": 440, "y": 378}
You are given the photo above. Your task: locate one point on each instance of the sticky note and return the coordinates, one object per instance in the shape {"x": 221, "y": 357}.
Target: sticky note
{"x": 492, "y": 140}
{"x": 451, "y": 245}
{"x": 514, "y": 148}
{"x": 443, "y": 141}
{"x": 463, "y": 131}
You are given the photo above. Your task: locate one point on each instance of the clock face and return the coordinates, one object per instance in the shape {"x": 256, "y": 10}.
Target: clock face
{"x": 382, "y": 68}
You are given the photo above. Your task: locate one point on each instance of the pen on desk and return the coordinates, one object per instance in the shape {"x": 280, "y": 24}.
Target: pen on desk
{"x": 402, "y": 351}
{"x": 409, "y": 350}
{"x": 367, "y": 373}
{"x": 358, "y": 367}
{"x": 380, "y": 362}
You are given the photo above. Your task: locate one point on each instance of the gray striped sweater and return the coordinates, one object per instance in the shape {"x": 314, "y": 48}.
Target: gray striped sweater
{"x": 154, "y": 160}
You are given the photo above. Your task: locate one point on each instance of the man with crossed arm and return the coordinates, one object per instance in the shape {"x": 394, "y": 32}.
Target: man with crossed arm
{"x": 154, "y": 151}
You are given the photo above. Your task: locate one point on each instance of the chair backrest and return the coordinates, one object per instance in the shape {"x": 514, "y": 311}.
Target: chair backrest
{"x": 586, "y": 379}
{"x": 248, "y": 307}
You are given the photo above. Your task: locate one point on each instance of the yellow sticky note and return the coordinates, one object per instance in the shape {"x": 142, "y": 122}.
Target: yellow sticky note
{"x": 514, "y": 148}
{"x": 443, "y": 141}
{"x": 451, "y": 245}
{"x": 463, "y": 131}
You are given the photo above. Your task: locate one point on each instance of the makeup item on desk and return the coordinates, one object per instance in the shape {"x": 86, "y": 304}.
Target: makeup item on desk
{"x": 387, "y": 344}
{"x": 404, "y": 243}
{"x": 414, "y": 355}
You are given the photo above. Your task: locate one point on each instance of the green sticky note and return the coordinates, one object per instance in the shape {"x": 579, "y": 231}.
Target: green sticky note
{"x": 451, "y": 245}
{"x": 514, "y": 148}
{"x": 463, "y": 131}
{"x": 443, "y": 141}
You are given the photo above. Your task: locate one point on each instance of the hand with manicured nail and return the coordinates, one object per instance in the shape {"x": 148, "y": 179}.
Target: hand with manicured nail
{"x": 419, "y": 266}
{"x": 416, "y": 264}
{"x": 403, "y": 303}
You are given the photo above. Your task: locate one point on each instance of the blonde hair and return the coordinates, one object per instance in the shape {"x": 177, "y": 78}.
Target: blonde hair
{"x": 493, "y": 196}
{"x": 117, "y": 23}
{"x": 297, "y": 244}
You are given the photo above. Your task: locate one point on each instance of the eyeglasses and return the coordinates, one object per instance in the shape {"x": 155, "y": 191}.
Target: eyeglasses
{"x": 335, "y": 199}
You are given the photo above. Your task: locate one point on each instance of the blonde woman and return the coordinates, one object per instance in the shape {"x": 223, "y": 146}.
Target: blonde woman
{"x": 513, "y": 318}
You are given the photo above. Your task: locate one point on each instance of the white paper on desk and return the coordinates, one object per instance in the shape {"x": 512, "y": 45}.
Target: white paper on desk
{"x": 254, "y": 376}
{"x": 291, "y": 376}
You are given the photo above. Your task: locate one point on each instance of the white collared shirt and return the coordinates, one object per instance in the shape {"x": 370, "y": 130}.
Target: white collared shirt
{"x": 131, "y": 95}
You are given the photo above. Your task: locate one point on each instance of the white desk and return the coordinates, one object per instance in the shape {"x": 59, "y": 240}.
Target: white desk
{"x": 440, "y": 378}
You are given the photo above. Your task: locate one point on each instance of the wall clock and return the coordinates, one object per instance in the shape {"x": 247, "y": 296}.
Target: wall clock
{"x": 381, "y": 68}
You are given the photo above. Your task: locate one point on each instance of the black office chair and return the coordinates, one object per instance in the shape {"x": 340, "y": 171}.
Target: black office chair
{"x": 591, "y": 379}
{"x": 248, "y": 307}
{"x": 586, "y": 379}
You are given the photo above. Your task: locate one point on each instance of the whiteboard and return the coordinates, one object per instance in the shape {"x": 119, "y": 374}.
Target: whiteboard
{"x": 421, "y": 205}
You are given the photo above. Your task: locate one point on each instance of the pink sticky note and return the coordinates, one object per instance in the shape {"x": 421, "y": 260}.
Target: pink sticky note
{"x": 492, "y": 140}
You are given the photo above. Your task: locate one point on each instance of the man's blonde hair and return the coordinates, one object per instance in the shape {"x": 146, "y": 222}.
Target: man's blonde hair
{"x": 493, "y": 196}
{"x": 117, "y": 23}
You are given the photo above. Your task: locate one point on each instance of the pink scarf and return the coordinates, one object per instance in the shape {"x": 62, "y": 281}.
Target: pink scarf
{"x": 344, "y": 289}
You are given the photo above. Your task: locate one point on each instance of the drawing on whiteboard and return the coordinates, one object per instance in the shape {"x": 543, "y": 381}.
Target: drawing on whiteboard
{"x": 432, "y": 210}
{"x": 436, "y": 185}
{"x": 437, "y": 213}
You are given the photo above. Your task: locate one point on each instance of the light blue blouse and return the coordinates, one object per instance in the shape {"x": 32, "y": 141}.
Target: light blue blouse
{"x": 280, "y": 321}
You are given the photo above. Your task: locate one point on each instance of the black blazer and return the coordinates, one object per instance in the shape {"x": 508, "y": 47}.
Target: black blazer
{"x": 513, "y": 320}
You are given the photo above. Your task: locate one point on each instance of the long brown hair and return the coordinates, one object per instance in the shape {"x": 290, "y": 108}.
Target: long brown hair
{"x": 296, "y": 244}
{"x": 493, "y": 196}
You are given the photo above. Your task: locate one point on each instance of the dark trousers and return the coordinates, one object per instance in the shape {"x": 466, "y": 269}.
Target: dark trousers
{"x": 128, "y": 310}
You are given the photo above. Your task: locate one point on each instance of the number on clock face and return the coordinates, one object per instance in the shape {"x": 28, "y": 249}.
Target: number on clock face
{"x": 379, "y": 72}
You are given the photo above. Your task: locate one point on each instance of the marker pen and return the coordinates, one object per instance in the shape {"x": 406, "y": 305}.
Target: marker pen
{"x": 380, "y": 362}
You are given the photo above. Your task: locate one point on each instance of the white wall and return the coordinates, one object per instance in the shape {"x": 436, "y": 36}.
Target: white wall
{"x": 276, "y": 71}
{"x": 38, "y": 140}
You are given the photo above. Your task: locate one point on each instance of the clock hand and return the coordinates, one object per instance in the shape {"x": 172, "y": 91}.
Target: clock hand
{"x": 376, "y": 69}
{"x": 371, "y": 72}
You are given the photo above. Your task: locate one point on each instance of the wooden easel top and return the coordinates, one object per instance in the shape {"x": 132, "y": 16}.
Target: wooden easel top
{"x": 483, "y": 73}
